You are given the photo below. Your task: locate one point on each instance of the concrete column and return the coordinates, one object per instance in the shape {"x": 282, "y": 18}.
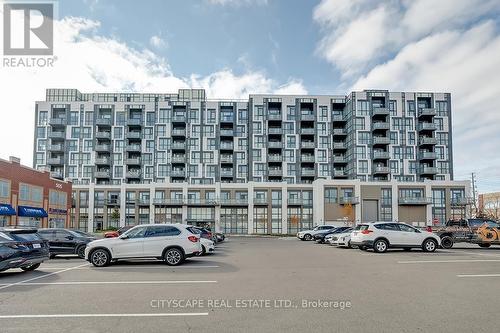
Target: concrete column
{"x": 428, "y": 208}
{"x": 250, "y": 208}
{"x": 395, "y": 202}
{"x": 152, "y": 191}
{"x": 123, "y": 205}
{"x": 217, "y": 208}
{"x": 284, "y": 205}
{"x": 90, "y": 222}
{"x": 184, "y": 205}
{"x": 357, "y": 207}
{"x": 318, "y": 202}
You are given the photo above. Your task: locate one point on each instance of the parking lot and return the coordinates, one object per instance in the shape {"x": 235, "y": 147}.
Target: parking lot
{"x": 261, "y": 284}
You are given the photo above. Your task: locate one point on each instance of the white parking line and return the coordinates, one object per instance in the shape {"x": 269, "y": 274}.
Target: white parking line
{"x": 478, "y": 275}
{"x": 7, "y": 285}
{"x": 71, "y": 283}
{"x": 446, "y": 261}
{"x": 82, "y": 315}
{"x": 480, "y": 254}
{"x": 137, "y": 267}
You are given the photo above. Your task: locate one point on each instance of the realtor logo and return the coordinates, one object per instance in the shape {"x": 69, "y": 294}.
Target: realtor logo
{"x": 28, "y": 29}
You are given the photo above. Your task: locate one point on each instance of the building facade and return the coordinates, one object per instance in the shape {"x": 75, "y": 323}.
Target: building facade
{"x": 120, "y": 149}
{"x": 489, "y": 205}
{"x": 31, "y": 198}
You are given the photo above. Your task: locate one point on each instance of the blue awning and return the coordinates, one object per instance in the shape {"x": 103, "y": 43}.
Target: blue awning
{"x": 31, "y": 211}
{"x": 6, "y": 209}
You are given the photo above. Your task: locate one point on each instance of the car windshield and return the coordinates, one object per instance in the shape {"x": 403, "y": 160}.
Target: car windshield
{"x": 4, "y": 237}
{"x": 28, "y": 235}
{"x": 135, "y": 232}
{"x": 361, "y": 227}
{"x": 79, "y": 233}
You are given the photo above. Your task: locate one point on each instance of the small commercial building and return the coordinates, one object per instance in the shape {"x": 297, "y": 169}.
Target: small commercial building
{"x": 29, "y": 197}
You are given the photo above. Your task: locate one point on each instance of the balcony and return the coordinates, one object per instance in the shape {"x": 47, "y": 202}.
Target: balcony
{"x": 234, "y": 202}
{"x": 275, "y": 172}
{"x": 275, "y": 144}
{"x": 55, "y": 160}
{"x": 427, "y": 155}
{"x": 226, "y": 132}
{"x": 377, "y": 111}
{"x": 103, "y": 148}
{"x": 133, "y": 161}
{"x": 57, "y": 135}
{"x": 307, "y": 158}
{"x": 275, "y": 130}
{"x": 381, "y": 155}
{"x": 294, "y": 201}
{"x": 143, "y": 202}
{"x": 103, "y": 121}
{"x": 308, "y": 172}
{"x": 414, "y": 201}
{"x": 381, "y": 170}
{"x": 339, "y": 159}
{"x": 338, "y": 173}
{"x": 461, "y": 201}
{"x": 226, "y": 158}
{"x": 260, "y": 201}
{"x": 202, "y": 202}
{"x": 226, "y": 172}
{"x": 274, "y": 158}
{"x": 339, "y": 145}
{"x": 427, "y": 112}
{"x": 134, "y": 122}
{"x": 57, "y": 121}
{"x": 134, "y": 148}
{"x": 307, "y": 116}
{"x": 179, "y": 118}
{"x": 339, "y": 131}
{"x": 381, "y": 140}
{"x": 428, "y": 170}
{"x": 102, "y": 161}
{"x": 134, "y": 135}
{"x": 380, "y": 126}
{"x": 338, "y": 118}
{"x": 179, "y": 132}
{"x": 133, "y": 174}
{"x": 421, "y": 127}
{"x": 56, "y": 174}
{"x": 112, "y": 202}
{"x": 103, "y": 135}
{"x": 164, "y": 201}
{"x": 178, "y": 159}
{"x": 226, "y": 145}
{"x": 178, "y": 173}
{"x": 58, "y": 147}
{"x": 427, "y": 141}
{"x": 102, "y": 174}
{"x": 274, "y": 116}
{"x": 179, "y": 145}
{"x": 307, "y": 144}
{"x": 310, "y": 131}
{"x": 348, "y": 200}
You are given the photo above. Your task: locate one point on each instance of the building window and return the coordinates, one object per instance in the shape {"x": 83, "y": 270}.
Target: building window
{"x": 4, "y": 189}
{"x": 276, "y": 220}
{"x": 386, "y": 204}
{"x": 260, "y": 220}
{"x": 234, "y": 220}
{"x": 331, "y": 195}
{"x": 439, "y": 205}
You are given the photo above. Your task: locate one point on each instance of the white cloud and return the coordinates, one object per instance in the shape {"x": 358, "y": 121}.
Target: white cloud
{"x": 157, "y": 42}
{"x": 93, "y": 63}
{"x": 236, "y": 3}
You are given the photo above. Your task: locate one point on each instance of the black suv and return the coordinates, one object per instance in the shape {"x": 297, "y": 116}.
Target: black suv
{"x": 22, "y": 248}
{"x": 65, "y": 241}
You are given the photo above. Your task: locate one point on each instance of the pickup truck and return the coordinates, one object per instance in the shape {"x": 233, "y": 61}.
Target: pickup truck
{"x": 482, "y": 232}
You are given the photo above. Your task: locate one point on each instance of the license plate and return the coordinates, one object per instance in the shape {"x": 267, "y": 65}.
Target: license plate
{"x": 36, "y": 246}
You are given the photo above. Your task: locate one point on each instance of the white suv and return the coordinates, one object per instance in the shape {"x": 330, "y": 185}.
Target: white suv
{"x": 171, "y": 242}
{"x": 383, "y": 235}
{"x": 307, "y": 235}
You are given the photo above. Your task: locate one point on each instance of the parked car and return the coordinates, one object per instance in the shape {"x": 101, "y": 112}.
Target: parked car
{"x": 381, "y": 236}
{"x": 204, "y": 233}
{"x": 172, "y": 243}
{"x": 307, "y": 235}
{"x": 66, "y": 241}
{"x": 22, "y": 248}
{"x": 116, "y": 233}
{"x": 220, "y": 237}
{"x": 207, "y": 246}
{"x": 342, "y": 239}
{"x": 321, "y": 236}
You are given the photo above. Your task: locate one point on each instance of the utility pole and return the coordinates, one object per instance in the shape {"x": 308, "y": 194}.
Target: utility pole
{"x": 474, "y": 198}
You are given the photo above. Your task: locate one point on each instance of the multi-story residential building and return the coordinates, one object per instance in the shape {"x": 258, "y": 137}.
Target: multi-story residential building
{"x": 136, "y": 158}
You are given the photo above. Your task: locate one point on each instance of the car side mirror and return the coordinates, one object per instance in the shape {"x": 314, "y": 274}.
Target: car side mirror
{"x": 124, "y": 237}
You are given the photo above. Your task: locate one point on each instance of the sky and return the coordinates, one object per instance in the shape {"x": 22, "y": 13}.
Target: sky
{"x": 233, "y": 48}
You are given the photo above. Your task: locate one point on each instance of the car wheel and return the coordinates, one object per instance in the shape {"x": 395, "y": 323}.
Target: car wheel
{"x": 407, "y": 249}
{"x": 203, "y": 250}
{"x": 349, "y": 246}
{"x": 30, "y": 268}
{"x": 307, "y": 237}
{"x": 484, "y": 245}
{"x": 52, "y": 256}
{"x": 80, "y": 252}
{"x": 362, "y": 248}
{"x": 446, "y": 242}
{"x": 173, "y": 257}
{"x": 380, "y": 246}
{"x": 100, "y": 258}
{"x": 429, "y": 245}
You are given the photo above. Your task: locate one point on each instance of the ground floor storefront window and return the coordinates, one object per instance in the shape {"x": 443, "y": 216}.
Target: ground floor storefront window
{"x": 299, "y": 218}
{"x": 168, "y": 214}
{"x": 234, "y": 220}
{"x": 24, "y": 221}
{"x": 260, "y": 220}
{"x": 57, "y": 222}
{"x": 4, "y": 220}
